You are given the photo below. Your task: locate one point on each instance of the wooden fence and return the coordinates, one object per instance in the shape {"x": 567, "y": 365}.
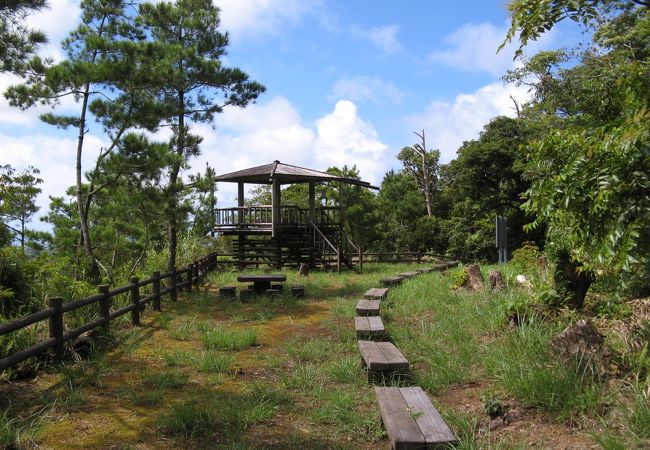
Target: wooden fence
{"x": 177, "y": 279}
{"x": 406, "y": 257}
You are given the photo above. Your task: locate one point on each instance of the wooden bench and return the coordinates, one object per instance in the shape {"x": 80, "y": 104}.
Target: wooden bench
{"x": 391, "y": 281}
{"x": 370, "y": 328}
{"x": 228, "y": 291}
{"x": 298, "y": 291}
{"x": 382, "y": 357}
{"x": 408, "y": 274}
{"x": 246, "y": 295}
{"x": 368, "y": 307}
{"x": 411, "y": 421}
{"x": 376, "y": 294}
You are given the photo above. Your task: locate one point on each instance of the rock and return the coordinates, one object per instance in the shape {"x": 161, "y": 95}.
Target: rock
{"x": 474, "y": 280}
{"x": 304, "y": 269}
{"x": 583, "y": 344}
{"x": 495, "y": 280}
{"x": 523, "y": 281}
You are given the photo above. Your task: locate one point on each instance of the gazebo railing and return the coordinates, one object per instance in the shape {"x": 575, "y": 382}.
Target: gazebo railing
{"x": 262, "y": 216}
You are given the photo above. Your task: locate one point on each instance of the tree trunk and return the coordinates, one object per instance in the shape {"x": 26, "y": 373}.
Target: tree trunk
{"x": 172, "y": 212}
{"x": 83, "y": 211}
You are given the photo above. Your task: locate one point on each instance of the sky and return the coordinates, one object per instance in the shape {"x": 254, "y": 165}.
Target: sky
{"x": 348, "y": 83}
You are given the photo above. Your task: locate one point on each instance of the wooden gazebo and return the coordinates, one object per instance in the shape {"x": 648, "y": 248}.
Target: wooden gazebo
{"x": 280, "y": 234}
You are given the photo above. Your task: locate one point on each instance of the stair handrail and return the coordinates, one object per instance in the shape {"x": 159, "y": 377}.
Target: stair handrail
{"x": 354, "y": 246}
{"x": 327, "y": 241}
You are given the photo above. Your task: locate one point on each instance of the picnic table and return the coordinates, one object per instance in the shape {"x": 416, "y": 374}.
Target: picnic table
{"x": 261, "y": 282}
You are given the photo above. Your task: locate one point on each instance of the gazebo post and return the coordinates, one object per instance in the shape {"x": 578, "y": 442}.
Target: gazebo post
{"x": 275, "y": 206}
{"x": 240, "y": 220}
{"x": 312, "y": 201}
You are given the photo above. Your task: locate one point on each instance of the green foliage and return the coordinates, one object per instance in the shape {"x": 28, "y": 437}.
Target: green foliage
{"x": 492, "y": 403}
{"x": 589, "y": 173}
{"x": 17, "y": 40}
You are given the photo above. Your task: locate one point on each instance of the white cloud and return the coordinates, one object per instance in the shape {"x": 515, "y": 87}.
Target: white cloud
{"x": 257, "y": 18}
{"x": 55, "y": 158}
{"x": 56, "y": 22}
{"x": 345, "y": 139}
{"x": 365, "y": 88}
{"x": 273, "y": 130}
{"x": 383, "y": 37}
{"x": 473, "y": 48}
{"x": 447, "y": 125}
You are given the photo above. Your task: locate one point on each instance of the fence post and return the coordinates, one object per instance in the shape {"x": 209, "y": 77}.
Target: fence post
{"x": 174, "y": 292}
{"x": 156, "y": 290}
{"x": 56, "y": 326}
{"x": 190, "y": 271}
{"x": 104, "y": 304}
{"x": 197, "y": 273}
{"x": 135, "y": 298}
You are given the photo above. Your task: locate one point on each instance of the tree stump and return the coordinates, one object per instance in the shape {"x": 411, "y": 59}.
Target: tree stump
{"x": 542, "y": 262}
{"x": 474, "y": 280}
{"x": 304, "y": 269}
{"x": 583, "y": 344}
{"x": 495, "y": 280}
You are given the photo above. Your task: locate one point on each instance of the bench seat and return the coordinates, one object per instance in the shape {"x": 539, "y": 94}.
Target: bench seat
{"x": 368, "y": 307}
{"x": 391, "y": 281}
{"x": 370, "y": 328}
{"x": 382, "y": 357}
{"x": 408, "y": 274}
{"x": 376, "y": 294}
{"x": 411, "y": 421}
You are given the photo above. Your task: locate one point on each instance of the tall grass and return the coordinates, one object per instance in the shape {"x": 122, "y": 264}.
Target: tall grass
{"x": 524, "y": 365}
{"x": 222, "y": 338}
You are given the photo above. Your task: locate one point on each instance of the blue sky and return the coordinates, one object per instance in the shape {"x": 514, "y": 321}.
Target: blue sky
{"x": 348, "y": 82}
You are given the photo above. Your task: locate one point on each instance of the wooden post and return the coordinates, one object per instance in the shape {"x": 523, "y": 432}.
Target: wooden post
{"x": 312, "y": 201}
{"x": 190, "y": 271}
{"x": 275, "y": 206}
{"x": 56, "y": 326}
{"x": 156, "y": 290}
{"x": 240, "y": 218}
{"x": 104, "y": 304}
{"x": 135, "y": 298}
{"x": 197, "y": 273}
{"x": 174, "y": 292}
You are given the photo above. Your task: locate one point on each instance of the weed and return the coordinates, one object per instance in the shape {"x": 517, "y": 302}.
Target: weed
{"x": 346, "y": 370}
{"x": 191, "y": 419}
{"x": 221, "y": 338}
{"x": 179, "y": 358}
{"x": 185, "y": 331}
{"x": 165, "y": 380}
{"x": 309, "y": 350}
{"x": 304, "y": 376}
{"x": 215, "y": 362}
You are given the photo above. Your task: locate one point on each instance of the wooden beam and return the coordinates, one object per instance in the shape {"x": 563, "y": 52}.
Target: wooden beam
{"x": 275, "y": 206}
{"x": 312, "y": 201}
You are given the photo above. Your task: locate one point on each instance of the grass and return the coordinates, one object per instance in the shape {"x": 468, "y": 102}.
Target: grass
{"x": 222, "y": 338}
{"x": 212, "y": 362}
{"x": 315, "y": 392}
{"x": 522, "y": 362}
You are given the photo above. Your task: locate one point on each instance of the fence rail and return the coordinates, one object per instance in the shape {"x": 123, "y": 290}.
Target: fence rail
{"x": 184, "y": 278}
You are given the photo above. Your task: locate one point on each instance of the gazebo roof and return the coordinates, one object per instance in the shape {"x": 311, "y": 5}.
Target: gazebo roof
{"x": 285, "y": 174}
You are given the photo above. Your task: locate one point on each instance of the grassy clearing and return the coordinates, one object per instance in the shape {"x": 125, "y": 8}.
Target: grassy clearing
{"x": 283, "y": 373}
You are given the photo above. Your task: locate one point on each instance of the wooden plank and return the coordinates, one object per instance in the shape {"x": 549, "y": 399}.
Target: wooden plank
{"x": 395, "y": 360}
{"x": 372, "y": 357}
{"x": 368, "y": 307}
{"x": 375, "y": 323}
{"x": 402, "y": 430}
{"x": 425, "y": 269}
{"x": 391, "y": 281}
{"x": 361, "y": 324}
{"x": 408, "y": 274}
{"x": 369, "y": 327}
{"x": 432, "y": 426}
{"x": 376, "y": 294}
